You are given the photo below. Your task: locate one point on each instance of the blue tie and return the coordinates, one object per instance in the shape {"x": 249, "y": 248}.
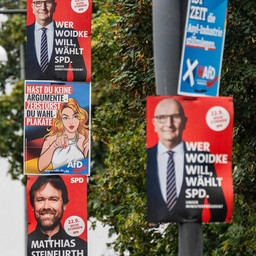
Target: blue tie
{"x": 44, "y": 51}
{"x": 171, "y": 195}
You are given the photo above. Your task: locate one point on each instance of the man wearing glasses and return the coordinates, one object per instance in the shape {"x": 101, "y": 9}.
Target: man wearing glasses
{"x": 166, "y": 172}
{"x": 48, "y": 57}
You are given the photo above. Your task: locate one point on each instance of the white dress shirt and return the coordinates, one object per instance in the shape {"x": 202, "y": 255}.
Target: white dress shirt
{"x": 50, "y": 37}
{"x": 162, "y": 159}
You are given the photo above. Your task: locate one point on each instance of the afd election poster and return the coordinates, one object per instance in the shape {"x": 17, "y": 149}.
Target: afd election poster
{"x": 57, "y": 127}
{"x": 59, "y": 40}
{"x": 203, "y": 45}
{"x": 189, "y": 159}
{"x": 57, "y": 215}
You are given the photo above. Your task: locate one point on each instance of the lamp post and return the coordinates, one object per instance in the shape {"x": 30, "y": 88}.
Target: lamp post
{"x": 168, "y": 29}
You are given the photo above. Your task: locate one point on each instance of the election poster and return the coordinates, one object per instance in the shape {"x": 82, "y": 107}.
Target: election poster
{"x": 189, "y": 159}
{"x": 203, "y": 44}
{"x": 59, "y": 40}
{"x": 57, "y": 215}
{"x": 57, "y": 127}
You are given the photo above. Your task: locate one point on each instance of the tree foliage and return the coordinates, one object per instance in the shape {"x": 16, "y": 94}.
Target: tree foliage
{"x": 118, "y": 190}
{"x": 122, "y": 63}
{"x": 12, "y": 38}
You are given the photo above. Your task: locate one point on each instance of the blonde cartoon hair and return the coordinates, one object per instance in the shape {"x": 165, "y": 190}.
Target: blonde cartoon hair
{"x": 58, "y": 127}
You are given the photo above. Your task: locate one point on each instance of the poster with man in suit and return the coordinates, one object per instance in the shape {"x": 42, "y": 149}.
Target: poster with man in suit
{"x": 57, "y": 215}
{"x": 189, "y": 151}
{"x": 58, "y": 40}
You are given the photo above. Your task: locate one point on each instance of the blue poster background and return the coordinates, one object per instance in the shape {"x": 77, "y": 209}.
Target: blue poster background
{"x": 203, "y": 44}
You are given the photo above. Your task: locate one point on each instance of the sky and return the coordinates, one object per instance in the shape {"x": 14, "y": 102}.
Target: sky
{"x": 13, "y": 219}
{"x": 12, "y": 214}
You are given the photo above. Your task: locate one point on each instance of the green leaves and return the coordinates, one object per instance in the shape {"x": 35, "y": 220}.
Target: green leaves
{"x": 118, "y": 188}
{"x": 123, "y": 75}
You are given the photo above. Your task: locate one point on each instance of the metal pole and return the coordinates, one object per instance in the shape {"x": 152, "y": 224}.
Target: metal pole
{"x": 22, "y": 62}
{"x": 166, "y": 45}
{"x": 168, "y": 32}
{"x": 13, "y": 11}
{"x": 190, "y": 239}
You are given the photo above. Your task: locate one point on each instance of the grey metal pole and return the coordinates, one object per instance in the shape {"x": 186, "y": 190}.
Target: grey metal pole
{"x": 22, "y": 62}
{"x": 168, "y": 32}
{"x": 13, "y": 11}
{"x": 166, "y": 45}
{"x": 190, "y": 239}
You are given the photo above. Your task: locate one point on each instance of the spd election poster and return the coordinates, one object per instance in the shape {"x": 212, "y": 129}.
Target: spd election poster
{"x": 191, "y": 137}
{"x": 57, "y": 215}
{"x": 57, "y": 127}
{"x": 203, "y": 45}
{"x": 59, "y": 40}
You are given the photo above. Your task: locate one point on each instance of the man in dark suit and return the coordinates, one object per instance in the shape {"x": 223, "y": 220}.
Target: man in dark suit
{"x": 63, "y": 50}
{"x": 195, "y": 187}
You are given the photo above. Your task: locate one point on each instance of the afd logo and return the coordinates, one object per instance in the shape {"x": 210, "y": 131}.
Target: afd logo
{"x": 195, "y": 72}
{"x": 77, "y": 166}
{"x": 208, "y": 73}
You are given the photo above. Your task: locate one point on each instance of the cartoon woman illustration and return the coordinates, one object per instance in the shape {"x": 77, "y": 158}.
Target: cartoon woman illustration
{"x": 67, "y": 139}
